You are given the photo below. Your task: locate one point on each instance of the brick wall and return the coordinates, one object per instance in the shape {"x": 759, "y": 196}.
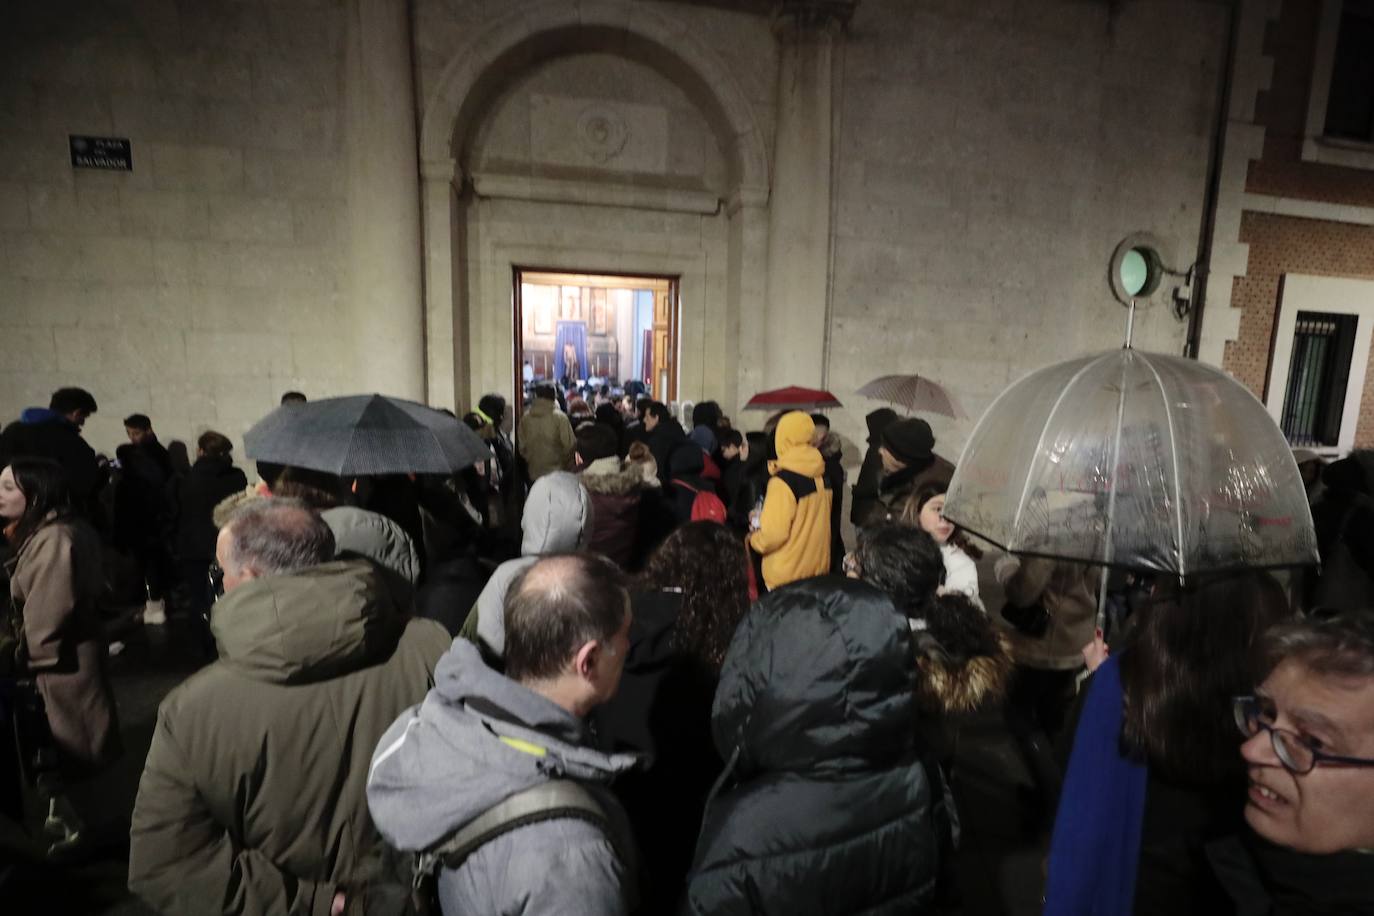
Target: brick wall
{"x": 1285, "y": 244}
{"x": 1282, "y": 109}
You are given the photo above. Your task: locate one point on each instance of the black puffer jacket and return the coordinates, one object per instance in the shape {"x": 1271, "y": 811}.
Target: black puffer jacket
{"x": 829, "y": 811}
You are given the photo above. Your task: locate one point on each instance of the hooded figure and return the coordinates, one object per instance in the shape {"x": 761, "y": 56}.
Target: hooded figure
{"x": 828, "y": 810}
{"x": 558, "y": 517}
{"x": 477, "y": 739}
{"x": 253, "y": 795}
{"x": 865, "y": 492}
{"x": 794, "y": 528}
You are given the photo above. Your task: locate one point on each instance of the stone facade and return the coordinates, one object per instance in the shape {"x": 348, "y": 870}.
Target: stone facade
{"x": 928, "y": 186}
{"x": 205, "y": 282}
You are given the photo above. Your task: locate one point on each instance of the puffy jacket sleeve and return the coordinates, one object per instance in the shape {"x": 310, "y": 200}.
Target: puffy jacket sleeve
{"x": 775, "y": 524}
{"x": 182, "y": 861}
{"x": 720, "y": 892}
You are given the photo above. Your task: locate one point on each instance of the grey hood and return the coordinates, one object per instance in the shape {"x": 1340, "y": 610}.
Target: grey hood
{"x": 558, "y": 515}
{"x": 473, "y": 742}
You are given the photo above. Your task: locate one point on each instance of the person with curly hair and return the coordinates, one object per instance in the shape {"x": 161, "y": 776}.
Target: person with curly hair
{"x": 688, "y": 600}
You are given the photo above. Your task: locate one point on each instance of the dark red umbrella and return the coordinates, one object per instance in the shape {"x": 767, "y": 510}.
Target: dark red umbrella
{"x": 793, "y": 398}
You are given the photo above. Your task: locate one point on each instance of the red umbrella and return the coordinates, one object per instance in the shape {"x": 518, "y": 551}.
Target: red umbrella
{"x": 792, "y": 398}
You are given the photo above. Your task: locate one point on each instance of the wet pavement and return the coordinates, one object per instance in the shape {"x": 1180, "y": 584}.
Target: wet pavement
{"x": 154, "y": 660}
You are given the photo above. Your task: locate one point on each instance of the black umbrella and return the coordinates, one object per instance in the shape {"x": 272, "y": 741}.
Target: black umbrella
{"x": 362, "y": 435}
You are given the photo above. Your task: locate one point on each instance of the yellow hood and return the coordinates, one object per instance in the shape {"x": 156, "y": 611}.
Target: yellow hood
{"x": 795, "y": 451}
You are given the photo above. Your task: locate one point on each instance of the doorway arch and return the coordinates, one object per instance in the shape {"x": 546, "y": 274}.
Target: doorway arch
{"x": 462, "y": 270}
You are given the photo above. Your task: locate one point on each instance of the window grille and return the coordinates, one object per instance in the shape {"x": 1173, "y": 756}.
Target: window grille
{"x": 1318, "y": 373}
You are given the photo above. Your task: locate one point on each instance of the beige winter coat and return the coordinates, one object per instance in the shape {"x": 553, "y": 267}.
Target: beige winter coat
{"x": 546, "y": 439}
{"x": 55, "y": 583}
{"x": 1068, "y": 592}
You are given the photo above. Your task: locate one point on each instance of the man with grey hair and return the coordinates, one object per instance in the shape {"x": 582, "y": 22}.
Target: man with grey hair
{"x": 1309, "y": 755}
{"x": 252, "y": 798}
{"x": 466, "y": 762}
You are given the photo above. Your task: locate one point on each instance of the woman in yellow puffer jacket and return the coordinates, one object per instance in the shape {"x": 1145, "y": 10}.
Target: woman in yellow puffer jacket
{"x": 793, "y": 532}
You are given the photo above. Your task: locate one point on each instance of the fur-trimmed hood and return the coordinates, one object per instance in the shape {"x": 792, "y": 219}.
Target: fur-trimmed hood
{"x": 949, "y": 684}
{"x": 606, "y": 477}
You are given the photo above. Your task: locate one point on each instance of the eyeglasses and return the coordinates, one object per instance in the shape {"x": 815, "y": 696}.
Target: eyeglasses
{"x": 216, "y": 580}
{"x": 1296, "y": 755}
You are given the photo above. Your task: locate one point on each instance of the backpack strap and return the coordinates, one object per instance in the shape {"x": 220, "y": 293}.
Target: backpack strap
{"x": 799, "y": 484}
{"x": 686, "y": 486}
{"x": 551, "y": 800}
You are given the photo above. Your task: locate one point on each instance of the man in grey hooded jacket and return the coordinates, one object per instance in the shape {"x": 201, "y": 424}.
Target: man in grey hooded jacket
{"x": 480, "y": 737}
{"x": 557, "y": 517}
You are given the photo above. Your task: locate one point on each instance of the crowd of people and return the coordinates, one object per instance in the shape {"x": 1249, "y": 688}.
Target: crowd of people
{"x": 625, "y": 666}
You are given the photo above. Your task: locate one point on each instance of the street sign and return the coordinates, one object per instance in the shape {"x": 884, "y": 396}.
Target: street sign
{"x": 112, "y": 153}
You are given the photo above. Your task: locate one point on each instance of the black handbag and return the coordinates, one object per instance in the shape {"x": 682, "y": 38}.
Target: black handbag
{"x": 1032, "y": 620}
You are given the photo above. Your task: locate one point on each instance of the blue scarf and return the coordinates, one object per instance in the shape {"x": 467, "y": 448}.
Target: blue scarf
{"x": 1096, "y": 845}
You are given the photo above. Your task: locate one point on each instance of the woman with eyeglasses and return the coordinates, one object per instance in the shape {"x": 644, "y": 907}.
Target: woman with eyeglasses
{"x": 1155, "y": 771}
{"x": 55, "y": 584}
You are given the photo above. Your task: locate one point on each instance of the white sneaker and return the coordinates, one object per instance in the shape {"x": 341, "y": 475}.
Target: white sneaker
{"x": 155, "y": 613}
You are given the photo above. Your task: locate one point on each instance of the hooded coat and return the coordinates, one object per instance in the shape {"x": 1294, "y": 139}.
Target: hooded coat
{"x": 545, "y": 439}
{"x": 830, "y": 811}
{"x": 865, "y": 492}
{"x": 477, "y": 739}
{"x": 252, "y": 799}
{"x": 615, "y": 493}
{"x": 558, "y": 517}
{"x": 794, "y": 530}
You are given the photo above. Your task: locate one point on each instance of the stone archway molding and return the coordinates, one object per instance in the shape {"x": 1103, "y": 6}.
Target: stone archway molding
{"x": 452, "y": 109}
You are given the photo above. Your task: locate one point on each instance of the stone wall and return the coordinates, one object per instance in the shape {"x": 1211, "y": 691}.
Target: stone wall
{"x": 205, "y": 282}
{"x": 989, "y": 161}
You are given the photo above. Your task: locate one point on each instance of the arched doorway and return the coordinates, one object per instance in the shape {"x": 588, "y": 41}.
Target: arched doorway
{"x": 653, "y": 164}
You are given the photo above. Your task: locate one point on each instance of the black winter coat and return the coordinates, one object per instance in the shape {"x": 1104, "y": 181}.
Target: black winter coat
{"x": 662, "y": 709}
{"x": 209, "y": 482}
{"x": 666, "y": 437}
{"x": 829, "y": 811}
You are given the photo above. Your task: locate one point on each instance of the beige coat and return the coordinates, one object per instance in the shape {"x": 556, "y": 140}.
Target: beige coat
{"x": 55, "y": 582}
{"x": 1069, "y": 593}
{"x": 546, "y": 439}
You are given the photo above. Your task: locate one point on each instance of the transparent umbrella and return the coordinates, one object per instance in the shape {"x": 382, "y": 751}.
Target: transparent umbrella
{"x": 1134, "y": 460}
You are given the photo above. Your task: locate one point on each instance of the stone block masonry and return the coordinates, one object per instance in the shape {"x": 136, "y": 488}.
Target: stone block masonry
{"x": 209, "y": 280}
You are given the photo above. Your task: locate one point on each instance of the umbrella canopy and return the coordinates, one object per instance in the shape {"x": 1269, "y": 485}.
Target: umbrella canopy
{"x": 793, "y": 398}
{"x": 913, "y": 392}
{"x": 362, "y": 435}
{"x": 1137, "y": 460}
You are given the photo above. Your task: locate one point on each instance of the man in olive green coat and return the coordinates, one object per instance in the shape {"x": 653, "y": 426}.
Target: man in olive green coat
{"x": 545, "y": 436}
{"x": 253, "y": 795}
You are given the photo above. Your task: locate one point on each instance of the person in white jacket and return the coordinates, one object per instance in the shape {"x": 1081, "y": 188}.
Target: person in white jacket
{"x": 926, "y": 510}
